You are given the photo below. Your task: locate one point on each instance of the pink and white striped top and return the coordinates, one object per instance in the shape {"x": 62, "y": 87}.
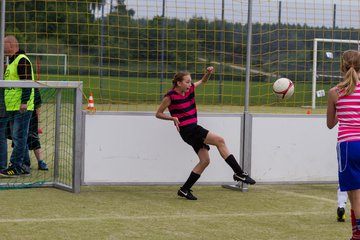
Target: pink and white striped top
{"x": 348, "y": 114}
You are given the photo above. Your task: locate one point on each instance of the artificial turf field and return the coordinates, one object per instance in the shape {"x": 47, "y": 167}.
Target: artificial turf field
{"x": 285, "y": 212}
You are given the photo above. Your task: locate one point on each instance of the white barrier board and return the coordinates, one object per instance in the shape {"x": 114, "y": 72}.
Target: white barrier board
{"x": 138, "y": 148}
{"x": 293, "y": 148}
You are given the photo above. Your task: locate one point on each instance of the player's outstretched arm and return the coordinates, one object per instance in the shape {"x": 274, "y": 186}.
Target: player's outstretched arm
{"x": 205, "y": 78}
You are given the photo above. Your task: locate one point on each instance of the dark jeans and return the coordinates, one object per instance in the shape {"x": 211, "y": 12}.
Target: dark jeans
{"x": 3, "y": 143}
{"x": 19, "y": 124}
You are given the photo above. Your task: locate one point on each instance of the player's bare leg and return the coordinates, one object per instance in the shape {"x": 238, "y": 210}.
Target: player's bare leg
{"x": 39, "y": 156}
{"x": 204, "y": 160}
{"x": 354, "y": 197}
{"x": 219, "y": 142}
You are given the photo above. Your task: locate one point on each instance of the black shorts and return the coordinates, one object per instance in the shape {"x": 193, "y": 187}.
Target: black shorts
{"x": 194, "y": 135}
{"x": 33, "y": 137}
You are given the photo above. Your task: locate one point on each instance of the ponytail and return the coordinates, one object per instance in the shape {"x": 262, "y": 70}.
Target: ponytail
{"x": 350, "y": 66}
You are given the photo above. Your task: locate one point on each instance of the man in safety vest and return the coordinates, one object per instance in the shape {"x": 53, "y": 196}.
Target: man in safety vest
{"x": 19, "y": 104}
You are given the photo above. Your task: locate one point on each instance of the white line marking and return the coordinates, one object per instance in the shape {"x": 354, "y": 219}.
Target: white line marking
{"x": 143, "y": 217}
{"x": 306, "y": 196}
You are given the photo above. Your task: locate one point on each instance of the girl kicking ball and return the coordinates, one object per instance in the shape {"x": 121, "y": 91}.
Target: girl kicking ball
{"x": 180, "y": 101}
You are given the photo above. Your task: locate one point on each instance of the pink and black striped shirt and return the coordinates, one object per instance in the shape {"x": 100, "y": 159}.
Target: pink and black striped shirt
{"x": 348, "y": 114}
{"x": 183, "y": 107}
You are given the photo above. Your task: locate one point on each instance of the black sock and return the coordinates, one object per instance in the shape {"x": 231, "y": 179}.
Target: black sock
{"x": 233, "y": 164}
{"x": 191, "y": 180}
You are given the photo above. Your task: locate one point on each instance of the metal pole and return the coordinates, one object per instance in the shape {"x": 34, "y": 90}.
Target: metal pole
{"x": 245, "y": 141}
{"x": 65, "y": 64}
{"x": 333, "y": 49}
{"x": 279, "y": 17}
{"x": 278, "y": 50}
{"x": 248, "y": 57}
{"x": 101, "y": 46}
{"x": 2, "y": 35}
{"x": 162, "y": 49}
{"x": 221, "y": 51}
{"x": 334, "y": 17}
{"x": 313, "y": 98}
{"x": 57, "y": 136}
{"x": 246, "y": 124}
{"x": 77, "y": 140}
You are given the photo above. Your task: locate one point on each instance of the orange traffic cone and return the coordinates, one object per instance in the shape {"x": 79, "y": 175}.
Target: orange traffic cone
{"x": 91, "y": 106}
{"x": 308, "y": 112}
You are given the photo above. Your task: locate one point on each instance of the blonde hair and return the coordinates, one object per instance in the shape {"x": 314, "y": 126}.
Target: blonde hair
{"x": 179, "y": 77}
{"x": 350, "y": 66}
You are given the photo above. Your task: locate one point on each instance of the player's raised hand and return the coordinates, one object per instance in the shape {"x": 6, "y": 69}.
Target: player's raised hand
{"x": 210, "y": 69}
{"x": 205, "y": 78}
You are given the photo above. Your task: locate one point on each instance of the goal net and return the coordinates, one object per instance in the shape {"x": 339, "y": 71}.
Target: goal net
{"x": 127, "y": 52}
{"x": 326, "y": 66}
{"x": 60, "y": 121}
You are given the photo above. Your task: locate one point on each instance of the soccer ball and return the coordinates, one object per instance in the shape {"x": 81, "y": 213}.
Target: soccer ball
{"x": 283, "y": 88}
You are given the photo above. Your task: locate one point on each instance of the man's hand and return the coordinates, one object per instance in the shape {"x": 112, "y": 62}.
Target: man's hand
{"x": 23, "y": 107}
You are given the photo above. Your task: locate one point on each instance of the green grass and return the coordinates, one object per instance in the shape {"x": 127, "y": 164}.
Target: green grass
{"x": 140, "y": 91}
{"x": 281, "y": 212}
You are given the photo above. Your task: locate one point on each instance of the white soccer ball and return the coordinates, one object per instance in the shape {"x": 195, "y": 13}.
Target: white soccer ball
{"x": 283, "y": 88}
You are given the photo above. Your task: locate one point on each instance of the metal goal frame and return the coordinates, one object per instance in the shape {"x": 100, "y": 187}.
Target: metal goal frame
{"x": 77, "y": 128}
{"x": 315, "y": 58}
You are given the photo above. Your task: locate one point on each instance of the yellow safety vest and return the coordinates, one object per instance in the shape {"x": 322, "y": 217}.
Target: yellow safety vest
{"x": 13, "y": 95}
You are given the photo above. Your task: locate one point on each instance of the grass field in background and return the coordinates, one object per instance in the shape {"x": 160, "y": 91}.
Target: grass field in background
{"x": 265, "y": 212}
{"x": 147, "y": 91}
{"x": 148, "y": 107}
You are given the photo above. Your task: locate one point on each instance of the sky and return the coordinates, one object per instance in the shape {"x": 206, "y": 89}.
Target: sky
{"x": 311, "y": 12}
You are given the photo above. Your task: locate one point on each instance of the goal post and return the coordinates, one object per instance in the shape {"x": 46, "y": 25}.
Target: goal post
{"x": 62, "y": 139}
{"x": 315, "y": 61}
{"x": 52, "y": 60}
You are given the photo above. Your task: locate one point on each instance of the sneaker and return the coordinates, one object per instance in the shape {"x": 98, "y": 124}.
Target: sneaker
{"x": 25, "y": 170}
{"x": 186, "y": 193}
{"x": 10, "y": 172}
{"x": 42, "y": 165}
{"x": 340, "y": 214}
{"x": 244, "y": 177}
